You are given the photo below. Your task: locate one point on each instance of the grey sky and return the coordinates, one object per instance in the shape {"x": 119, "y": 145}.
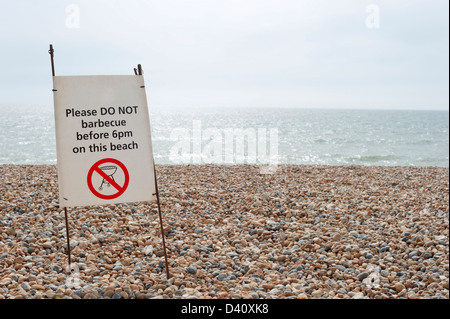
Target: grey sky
{"x": 267, "y": 53}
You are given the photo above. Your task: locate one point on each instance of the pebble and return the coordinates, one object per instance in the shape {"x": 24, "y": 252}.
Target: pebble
{"x": 117, "y": 295}
{"x": 358, "y": 295}
{"x": 192, "y": 269}
{"x": 363, "y": 276}
{"x": 117, "y": 267}
{"x": 221, "y": 277}
{"x": 399, "y": 287}
{"x": 302, "y": 232}
{"x": 340, "y": 267}
{"x": 26, "y": 286}
{"x": 148, "y": 250}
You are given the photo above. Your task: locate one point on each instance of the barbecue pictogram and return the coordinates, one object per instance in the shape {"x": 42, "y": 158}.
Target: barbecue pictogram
{"x": 109, "y": 170}
{"x": 108, "y": 181}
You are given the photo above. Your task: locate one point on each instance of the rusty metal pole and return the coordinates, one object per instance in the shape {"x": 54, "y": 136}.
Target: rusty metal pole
{"x": 161, "y": 222}
{"x": 65, "y": 208}
{"x": 68, "y": 238}
{"x": 51, "y": 58}
{"x": 139, "y": 72}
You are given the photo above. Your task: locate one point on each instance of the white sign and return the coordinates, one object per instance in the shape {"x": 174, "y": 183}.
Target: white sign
{"x": 103, "y": 140}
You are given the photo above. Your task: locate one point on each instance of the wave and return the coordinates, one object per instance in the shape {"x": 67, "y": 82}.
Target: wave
{"x": 374, "y": 158}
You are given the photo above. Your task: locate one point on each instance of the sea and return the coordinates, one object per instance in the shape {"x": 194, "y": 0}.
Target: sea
{"x": 287, "y": 136}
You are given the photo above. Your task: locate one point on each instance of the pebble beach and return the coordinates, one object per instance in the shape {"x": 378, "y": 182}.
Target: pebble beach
{"x": 303, "y": 232}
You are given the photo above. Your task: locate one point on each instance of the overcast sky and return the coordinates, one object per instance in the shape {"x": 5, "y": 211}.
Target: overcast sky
{"x": 260, "y": 53}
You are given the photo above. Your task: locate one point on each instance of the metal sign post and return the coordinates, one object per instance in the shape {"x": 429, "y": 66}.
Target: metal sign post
{"x": 65, "y": 208}
{"x": 162, "y": 227}
{"x": 68, "y": 239}
{"x": 140, "y": 72}
{"x": 76, "y": 191}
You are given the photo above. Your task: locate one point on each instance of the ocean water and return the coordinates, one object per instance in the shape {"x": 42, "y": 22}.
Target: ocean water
{"x": 297, "y": 136}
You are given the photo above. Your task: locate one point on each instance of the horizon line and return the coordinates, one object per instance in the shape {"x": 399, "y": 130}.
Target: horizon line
{"x": 159, "y": 106}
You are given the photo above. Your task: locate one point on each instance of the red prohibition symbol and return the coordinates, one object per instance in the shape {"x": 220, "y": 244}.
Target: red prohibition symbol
{"x": 107, "y": 173}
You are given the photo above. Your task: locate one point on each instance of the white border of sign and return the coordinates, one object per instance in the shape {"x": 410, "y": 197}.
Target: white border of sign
{"x": 83, "y": 107}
